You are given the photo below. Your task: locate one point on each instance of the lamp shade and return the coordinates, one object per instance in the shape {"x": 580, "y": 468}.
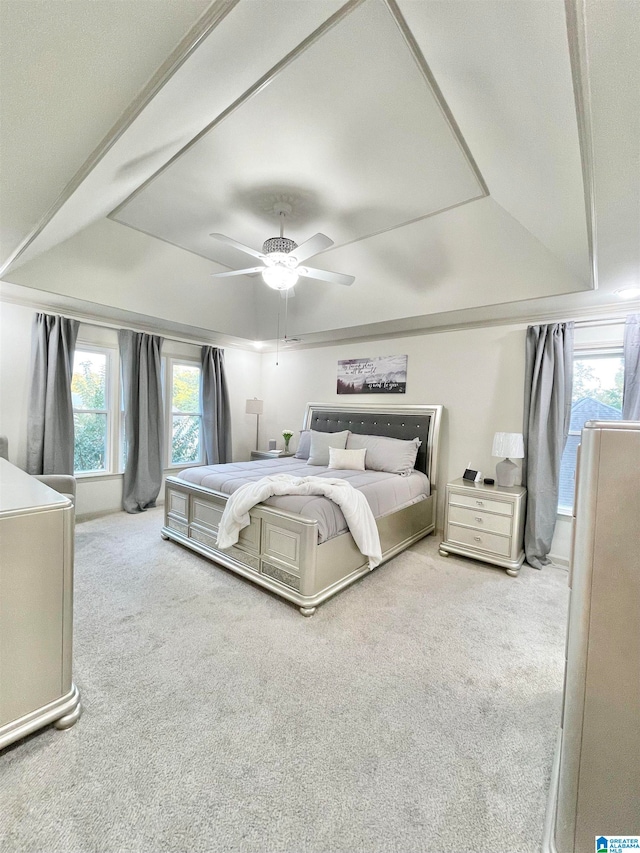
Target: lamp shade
{"x": 254, "y": 407}
{"x": 509, "y": 444}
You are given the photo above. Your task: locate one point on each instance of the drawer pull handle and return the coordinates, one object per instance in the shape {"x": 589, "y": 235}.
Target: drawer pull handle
{"x": 480, "y": 503}
{"x": 478, "y": 538}
{"x": 479, "y": 518}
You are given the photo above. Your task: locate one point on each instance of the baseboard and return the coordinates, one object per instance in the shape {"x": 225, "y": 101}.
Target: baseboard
{"x": 559, "y": 562}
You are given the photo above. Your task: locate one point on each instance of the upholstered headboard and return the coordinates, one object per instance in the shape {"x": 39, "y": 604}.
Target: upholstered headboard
{"x": 396, "y": 421}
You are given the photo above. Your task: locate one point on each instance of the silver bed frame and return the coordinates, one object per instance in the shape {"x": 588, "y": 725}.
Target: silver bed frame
{"x": 279, "y": 550}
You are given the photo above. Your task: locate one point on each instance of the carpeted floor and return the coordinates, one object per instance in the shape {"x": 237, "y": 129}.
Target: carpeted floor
{"x": 416, "y": 711}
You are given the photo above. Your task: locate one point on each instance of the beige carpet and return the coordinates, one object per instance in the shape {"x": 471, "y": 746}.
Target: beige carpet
{"x": 416, "y": 711}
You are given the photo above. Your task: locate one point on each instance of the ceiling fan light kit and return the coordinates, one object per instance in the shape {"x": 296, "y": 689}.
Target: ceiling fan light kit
{"x": 279, "y": 276}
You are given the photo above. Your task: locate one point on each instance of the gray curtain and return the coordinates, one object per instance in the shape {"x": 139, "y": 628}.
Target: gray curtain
{"x": 143, "y": 418}
{"x": 50, "y": 415}
{"x": 216, "y": 416}
{"x": 547, "y": 413}
{"x": 631, "y": 390}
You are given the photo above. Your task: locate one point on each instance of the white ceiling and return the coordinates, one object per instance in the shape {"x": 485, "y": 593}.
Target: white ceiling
{"x": 437, "y": 143}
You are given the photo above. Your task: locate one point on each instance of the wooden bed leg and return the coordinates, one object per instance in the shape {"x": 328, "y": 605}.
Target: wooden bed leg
{"x": 308, "y": 611}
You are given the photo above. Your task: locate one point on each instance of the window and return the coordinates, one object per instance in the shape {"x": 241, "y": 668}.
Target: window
{"x": 90, "y": 394}
{"x": 597, "y": 395}
{"x": 186, "y": 418}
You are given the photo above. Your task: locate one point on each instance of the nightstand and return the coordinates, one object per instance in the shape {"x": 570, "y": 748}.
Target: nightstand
{"x": 269, "y": 454}
{"x": 486, "y": 523}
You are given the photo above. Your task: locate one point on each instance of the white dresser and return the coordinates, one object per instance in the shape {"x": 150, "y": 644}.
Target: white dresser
{"x": 486, "y": 523}
{"x": 36, "y": 606}
{"x": 595, "y": 786}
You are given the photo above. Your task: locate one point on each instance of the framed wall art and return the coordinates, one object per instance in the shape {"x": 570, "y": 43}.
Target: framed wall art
{"x": 385, "y": 374}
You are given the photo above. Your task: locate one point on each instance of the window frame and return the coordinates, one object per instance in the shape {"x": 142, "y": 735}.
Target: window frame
{"x": 580, "y": 352}
{"x": 112, "y": 384}
{"x": 169, "y": 362}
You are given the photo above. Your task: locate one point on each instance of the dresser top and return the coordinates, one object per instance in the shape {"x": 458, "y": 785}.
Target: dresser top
{"x": 20, "y": 492}
{"x": 460, "y": 483}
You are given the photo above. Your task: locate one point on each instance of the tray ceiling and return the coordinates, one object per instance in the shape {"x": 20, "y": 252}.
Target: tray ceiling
{"x": 438, "y": 145}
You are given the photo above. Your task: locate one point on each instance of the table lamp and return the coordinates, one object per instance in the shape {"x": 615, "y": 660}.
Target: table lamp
{"x": 508, "y": 444}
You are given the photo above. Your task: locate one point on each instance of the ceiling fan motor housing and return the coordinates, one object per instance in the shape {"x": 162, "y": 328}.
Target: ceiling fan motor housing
{"x": 278, "y": 244}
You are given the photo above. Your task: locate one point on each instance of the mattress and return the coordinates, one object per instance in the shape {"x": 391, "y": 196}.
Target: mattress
{"x": 385, "y": 493}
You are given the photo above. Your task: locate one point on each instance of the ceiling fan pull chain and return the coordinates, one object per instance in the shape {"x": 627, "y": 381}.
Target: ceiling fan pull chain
{"x": 286, "y": 313}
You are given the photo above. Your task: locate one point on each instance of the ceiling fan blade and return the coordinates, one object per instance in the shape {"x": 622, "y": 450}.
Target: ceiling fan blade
{"x": 323, "y": 275}
{"x": 237, "y": 272}
{"x": 240, "y": 246}
{"x": 310, "y": 247}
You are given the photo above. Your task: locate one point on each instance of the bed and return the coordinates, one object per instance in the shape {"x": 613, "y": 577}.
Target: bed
{"x": 306, "y": 556}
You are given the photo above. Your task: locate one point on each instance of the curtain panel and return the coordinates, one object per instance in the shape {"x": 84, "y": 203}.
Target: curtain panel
{"x": 216, "y": 415}
{"x": 50, "y": 433}
{"x": 141, "y": 365}
{"x": 631, "y": 388}
{"x": 547, "y": 414}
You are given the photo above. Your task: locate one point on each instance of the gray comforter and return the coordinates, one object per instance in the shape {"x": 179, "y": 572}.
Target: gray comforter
{"x": 385, "y": 493}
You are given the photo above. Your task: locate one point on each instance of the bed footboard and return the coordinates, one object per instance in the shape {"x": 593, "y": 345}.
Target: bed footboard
{"x": 279, "y": 550}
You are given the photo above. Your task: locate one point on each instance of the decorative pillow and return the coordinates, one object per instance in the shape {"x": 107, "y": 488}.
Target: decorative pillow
{"x": 392, "y": 455}
{"x": 346, "y": 460}
{"x": 321, "y": 442}
{"x": 304, "y": 444}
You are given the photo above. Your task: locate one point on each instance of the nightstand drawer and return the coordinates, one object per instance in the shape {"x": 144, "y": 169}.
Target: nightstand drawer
{"x": 499, "y": 507}
{"x": 481, "y": 520}
{"x": 479, "y": 540}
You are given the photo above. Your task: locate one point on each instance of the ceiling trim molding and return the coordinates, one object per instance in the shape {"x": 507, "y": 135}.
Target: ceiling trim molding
{"x": 405, "y": 224}
{"x": 153, "y": 325}
{"x": 331, "y": 248}
{"x": 171, "y": 243}
{"x": 207, "y": 22}
{"x": 582, "y": 316}
{"x": 253, "y": 90}
{"x": 605, "y": 314}
{"x": 575, "y": 14}
{"x": 423, "y": 65}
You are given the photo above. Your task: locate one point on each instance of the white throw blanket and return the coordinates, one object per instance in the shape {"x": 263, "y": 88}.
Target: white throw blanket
{"x": 353, "y": 504}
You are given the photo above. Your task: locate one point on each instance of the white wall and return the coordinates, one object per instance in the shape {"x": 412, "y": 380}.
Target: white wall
{"x": 103, "y": 493}
{"x": 477, "y": 375}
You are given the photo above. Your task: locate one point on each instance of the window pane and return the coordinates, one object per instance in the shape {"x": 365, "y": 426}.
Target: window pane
{"x": 185, "y": 439}
{"x": 597, "y": 395}
{"x": 90, "y": 451}
{"x": 186, "y": 388}
{"x": 89, "y": 382}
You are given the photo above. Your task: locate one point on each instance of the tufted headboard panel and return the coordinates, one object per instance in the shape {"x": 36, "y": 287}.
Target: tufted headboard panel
{"x": 396, "y": 421}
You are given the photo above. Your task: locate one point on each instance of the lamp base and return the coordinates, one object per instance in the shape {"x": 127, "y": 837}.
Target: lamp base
{"x": 506, "y": 472}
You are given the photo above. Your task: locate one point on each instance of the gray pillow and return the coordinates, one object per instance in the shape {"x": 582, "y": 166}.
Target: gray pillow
{"x": 304, "y": 444}
{"x": 392, "y": 455}
{"x": 321, "y": 442}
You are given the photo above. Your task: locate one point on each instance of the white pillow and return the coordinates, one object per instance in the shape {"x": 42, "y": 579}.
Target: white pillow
{"x": 321, "y": 442}
{"x": 346, "y": 460}
{"x": 392, "y": 455}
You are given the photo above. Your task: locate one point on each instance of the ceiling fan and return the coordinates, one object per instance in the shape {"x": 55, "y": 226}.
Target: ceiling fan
{"x": 281, "y": 258}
